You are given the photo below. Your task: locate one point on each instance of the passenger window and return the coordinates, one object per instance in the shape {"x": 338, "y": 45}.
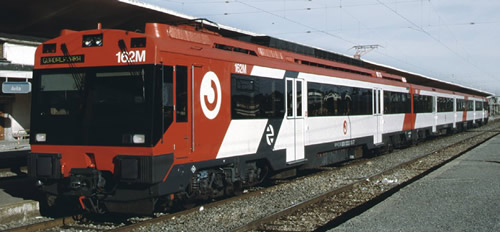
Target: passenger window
{"x": 289, "y": 89}
{"x": 181, "y": 93}
{"x": 167, "y": 98}
{"x": 256, "y": 97}
{"x": 299, "y": 98}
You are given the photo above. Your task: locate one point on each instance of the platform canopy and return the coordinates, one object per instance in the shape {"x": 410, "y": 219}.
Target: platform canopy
{"x": 45, "y": 19}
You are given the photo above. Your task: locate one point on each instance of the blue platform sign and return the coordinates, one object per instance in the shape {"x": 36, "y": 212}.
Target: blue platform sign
{"x": 16, "y": 87}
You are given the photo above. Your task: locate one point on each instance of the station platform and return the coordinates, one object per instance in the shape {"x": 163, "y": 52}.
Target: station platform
{"x": 14, "y": 145}
{"x": 463, "y": 195}
{"x": 13, "y": 153}
{"x": 17, "y": 190}
{"x": 17, "y": 198}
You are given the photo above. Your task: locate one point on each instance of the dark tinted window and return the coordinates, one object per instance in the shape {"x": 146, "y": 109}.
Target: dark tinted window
{"x": 332, "y": 100}
{"x": 163, "y": 100}
{"x": 470, "y": 105}
{"x": 289, "y": 99}
{"x": 256, "y": 97}
{"x": 479, "y": 105}
{"x": 422, "y": 103}
{"x": 361, "y": 101}
{"x": 167, "y": 96}
{"x": 299, "y": 98}
{"x": 345, "y": 104}
{"x": 181, "y": 96}
{"x": 315, "y": 98}
{"x": 444, "y": 104}
{"x": 460, "y": 105}
{"x": 102, "y": 106}
{"x": 396, "y": 103}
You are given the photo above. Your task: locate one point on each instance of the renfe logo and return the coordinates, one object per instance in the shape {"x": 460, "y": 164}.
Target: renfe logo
{"x": 210, "y": 95}
{"x": 270, "y": 135}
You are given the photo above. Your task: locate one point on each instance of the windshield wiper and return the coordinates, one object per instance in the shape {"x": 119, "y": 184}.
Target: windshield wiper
{"x": 79, "y": 80}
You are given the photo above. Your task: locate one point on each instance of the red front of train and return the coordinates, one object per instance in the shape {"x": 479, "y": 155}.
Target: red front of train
{"x": 113, "y": 111}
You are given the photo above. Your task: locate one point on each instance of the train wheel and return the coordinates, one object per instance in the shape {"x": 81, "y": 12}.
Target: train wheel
{"x": 234, "y": 189}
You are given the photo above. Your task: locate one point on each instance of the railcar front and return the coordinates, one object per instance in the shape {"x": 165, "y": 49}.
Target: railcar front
{"x": 96, "y": 117}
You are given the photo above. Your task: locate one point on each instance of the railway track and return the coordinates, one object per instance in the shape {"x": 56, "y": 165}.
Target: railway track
{"x": 338, "y": 202}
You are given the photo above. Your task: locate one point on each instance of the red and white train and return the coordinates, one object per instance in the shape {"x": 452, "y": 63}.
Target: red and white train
{"x": 131, "y": 122}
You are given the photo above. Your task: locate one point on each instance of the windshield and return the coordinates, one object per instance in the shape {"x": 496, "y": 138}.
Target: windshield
{"x": 94, "y": 106}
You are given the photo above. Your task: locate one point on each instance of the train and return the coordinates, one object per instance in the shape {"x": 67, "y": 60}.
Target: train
{"x": 135, "y": 122}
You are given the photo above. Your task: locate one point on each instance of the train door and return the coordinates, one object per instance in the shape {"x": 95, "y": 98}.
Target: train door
{"x": 295, "y": 102}
{"x": 378, "y": 113}
{"x": 455, "y": 117}
{"x": 182, "y": 109}
{"x": 434, "y": 113}
{"x": 483, "y": 111}
{"x": 474, "y": 110}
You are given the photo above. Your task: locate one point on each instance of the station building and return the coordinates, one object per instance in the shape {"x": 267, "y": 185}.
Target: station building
{"x": 494, "y": 103}
{"x": 17, "y": 54}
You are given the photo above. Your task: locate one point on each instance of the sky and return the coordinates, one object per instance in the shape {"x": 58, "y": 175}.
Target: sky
{"x": 450, "y": 40}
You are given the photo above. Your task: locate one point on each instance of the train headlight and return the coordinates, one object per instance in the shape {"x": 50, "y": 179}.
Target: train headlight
{"x": 41, "y": 137}
{"x": 138, "y": 138}
{"x": 87, "y": 43}
{"x": 92, "y": 40}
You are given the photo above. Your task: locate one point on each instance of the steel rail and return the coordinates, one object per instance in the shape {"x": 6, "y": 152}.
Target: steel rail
{"x": 42, "y": 226}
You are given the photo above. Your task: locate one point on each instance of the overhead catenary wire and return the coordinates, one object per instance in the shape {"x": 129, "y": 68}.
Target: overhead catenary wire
{"x": 313, "y": 29}
{"x": 421, "y": 29}
{"x": 297, "y": 22}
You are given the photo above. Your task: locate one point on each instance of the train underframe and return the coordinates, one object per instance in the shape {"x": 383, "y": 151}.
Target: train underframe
{"x": 100, "y": 192}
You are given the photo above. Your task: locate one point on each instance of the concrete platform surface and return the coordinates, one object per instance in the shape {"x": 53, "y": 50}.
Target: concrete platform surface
{"x": 17, "y": 198}
{"x": 15, "y": 145}
{"x": 463, "y": 195}
{"x": 13, "y": 154}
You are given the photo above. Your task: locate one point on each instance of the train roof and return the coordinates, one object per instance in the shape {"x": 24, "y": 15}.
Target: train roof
{"x": 46, "y": 19}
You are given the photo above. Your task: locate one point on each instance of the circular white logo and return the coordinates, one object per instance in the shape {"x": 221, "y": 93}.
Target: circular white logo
{"x": 210, "y": 95}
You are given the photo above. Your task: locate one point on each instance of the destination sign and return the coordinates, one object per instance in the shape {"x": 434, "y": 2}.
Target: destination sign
{"x": 16, "y": 87}
{"x": 63, "y": 59}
